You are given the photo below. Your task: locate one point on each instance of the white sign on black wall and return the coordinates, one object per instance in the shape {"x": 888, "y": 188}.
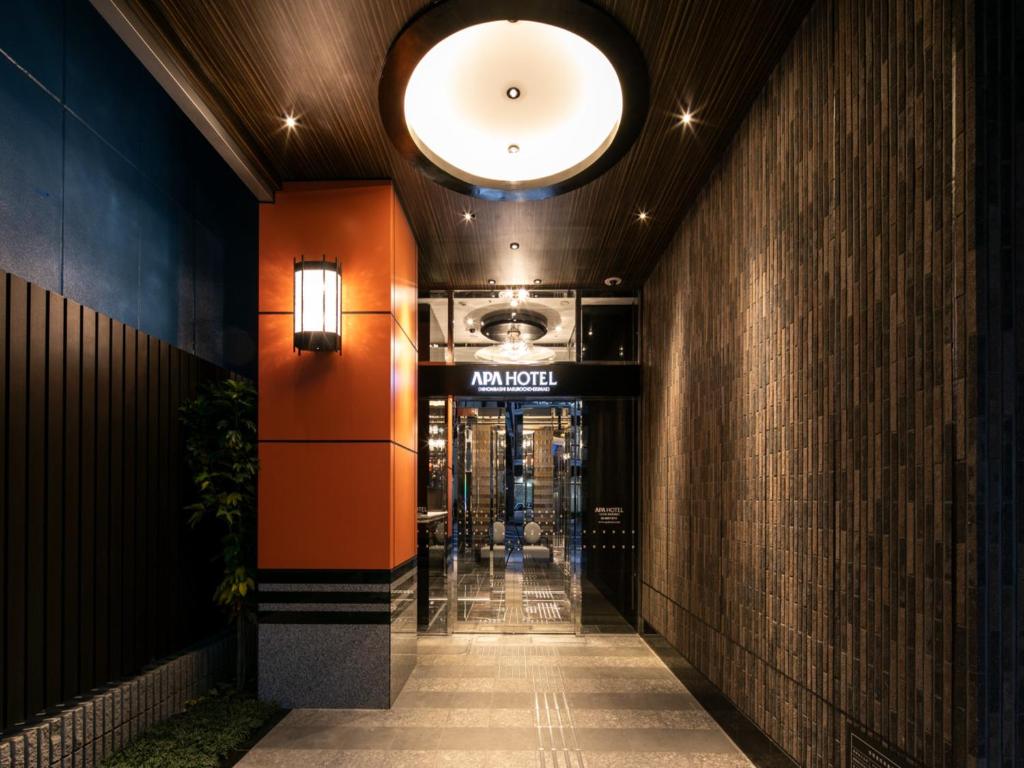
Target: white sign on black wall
{"x": 608, "y": 515}
{"x": 513, "y": 381}
{"x": 532, "y": 382}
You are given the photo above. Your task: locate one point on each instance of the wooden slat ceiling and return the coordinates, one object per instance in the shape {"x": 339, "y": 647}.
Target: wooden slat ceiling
{"x": 255, "y": 60}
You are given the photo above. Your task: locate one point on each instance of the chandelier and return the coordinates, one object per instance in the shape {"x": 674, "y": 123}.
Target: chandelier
{"x": 515, "y": 350}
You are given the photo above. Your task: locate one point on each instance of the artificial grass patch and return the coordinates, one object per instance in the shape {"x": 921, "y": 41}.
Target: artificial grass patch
{"x": 202, "y": 736}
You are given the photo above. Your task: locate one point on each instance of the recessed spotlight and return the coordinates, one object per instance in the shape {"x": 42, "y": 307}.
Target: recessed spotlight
{"x": 468, "y": 216}
{"x": 643, "y": 216}
{"x": 514, "y": 246}
{"x": 537, "y": 281}
{"x": 513, "y": 149}
{"x": 613, "y": 281}
{"x": 513, "y": 92}
{"x": 291, "y": 122}
{"x": 492, "y": 281}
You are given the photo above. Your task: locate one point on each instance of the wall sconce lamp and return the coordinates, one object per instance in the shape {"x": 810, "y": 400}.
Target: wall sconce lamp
{"x": 317, "y": 307}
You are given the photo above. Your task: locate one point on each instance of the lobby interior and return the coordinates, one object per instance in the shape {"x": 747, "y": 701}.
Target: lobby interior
{"x": 629, "y": 382}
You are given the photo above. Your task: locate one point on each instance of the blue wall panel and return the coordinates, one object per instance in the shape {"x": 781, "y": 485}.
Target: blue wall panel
{"x": 31, "y": 152}
{"x": 105, "y": 86}
{"x": 109, "y": 195}
{"x": 32, "y": 34}
{"x": 168, "y": 269}
{"x": 101, "y": 226}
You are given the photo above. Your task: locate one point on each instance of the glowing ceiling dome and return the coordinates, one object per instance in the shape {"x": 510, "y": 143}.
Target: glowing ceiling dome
{"x": 513, "y": 99}
{"x": 513, "y": 102}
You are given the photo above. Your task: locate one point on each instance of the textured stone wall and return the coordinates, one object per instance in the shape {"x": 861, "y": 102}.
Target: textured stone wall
{"x": 90, "y": 728}
{"x": 809, "y": 383}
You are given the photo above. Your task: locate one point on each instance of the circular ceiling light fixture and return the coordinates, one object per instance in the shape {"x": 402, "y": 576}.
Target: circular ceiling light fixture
{"x": 514, "y": 110}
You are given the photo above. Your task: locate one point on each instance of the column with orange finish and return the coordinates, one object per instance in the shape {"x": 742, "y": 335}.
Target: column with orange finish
{"x": 337, "y": 432}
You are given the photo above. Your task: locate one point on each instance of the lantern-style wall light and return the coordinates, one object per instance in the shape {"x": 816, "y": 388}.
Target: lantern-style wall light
{"x": 317, "y": 305}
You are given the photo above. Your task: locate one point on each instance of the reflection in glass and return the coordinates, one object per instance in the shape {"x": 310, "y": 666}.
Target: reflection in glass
{"x": 609, "y": 328}
{"x": 433, "y": 327}
{"x": 514, "y": 326}
{"x": 516, "y": 523}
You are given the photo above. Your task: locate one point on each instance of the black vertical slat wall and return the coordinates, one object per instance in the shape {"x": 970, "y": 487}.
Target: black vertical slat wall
{"x": 100, "y": 574}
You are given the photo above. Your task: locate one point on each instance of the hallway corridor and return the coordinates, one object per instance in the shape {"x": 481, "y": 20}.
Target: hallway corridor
{"x": 524, "y": 701}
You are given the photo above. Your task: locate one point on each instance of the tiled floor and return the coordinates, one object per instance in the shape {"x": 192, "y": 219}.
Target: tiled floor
{"x": 518, "y": 596}
{"x": 499, "y": 700}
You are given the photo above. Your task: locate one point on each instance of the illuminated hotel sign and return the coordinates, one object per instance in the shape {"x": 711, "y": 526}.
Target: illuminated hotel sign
{"x": 535, "y": 382}
{"x": 523, "y": 381}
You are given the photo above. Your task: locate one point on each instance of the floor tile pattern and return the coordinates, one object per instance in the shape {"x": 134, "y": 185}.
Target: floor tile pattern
{"x": 522, "y": 701}
{"x": 517, "y": 596}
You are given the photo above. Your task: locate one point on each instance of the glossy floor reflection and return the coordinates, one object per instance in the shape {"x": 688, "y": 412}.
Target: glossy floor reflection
{"x": 498, "y": 700}
{"x": 514, "y": 596}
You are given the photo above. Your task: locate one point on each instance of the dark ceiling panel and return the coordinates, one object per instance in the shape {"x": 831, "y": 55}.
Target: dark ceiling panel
{"x": 257, "y": 59}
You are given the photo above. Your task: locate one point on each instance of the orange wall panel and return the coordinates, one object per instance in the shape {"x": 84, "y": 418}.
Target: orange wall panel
{"x": 403, "y": 505}
{"x": 404, "y": 387}
{"x": 352, "y": 222}
{"x": 331, "y": 503}
{"x": 322, "y": 396}
{"x": 405, "y": 298}
{"x": 325, "y": 505}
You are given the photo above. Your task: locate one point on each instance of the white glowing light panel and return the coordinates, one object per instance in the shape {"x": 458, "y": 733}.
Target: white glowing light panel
{"x": 317, "y": 292}
{"x": 566, "y": 116}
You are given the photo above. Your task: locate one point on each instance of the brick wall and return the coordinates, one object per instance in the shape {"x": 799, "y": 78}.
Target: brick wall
{"x": 810, "y": 377}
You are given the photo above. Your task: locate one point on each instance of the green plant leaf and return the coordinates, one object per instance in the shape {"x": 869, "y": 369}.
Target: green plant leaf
{"x": 221, "y": 449}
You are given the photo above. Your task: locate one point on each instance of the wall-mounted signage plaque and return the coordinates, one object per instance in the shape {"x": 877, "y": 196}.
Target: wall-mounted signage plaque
{"x": 608, "y": 515}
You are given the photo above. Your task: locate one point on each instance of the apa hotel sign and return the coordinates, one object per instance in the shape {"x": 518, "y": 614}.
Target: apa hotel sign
{"x": 512, "y": 381}
{"x": 521, "y": 382}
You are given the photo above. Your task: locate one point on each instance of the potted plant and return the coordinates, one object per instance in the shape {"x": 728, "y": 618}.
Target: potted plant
{"x": 220, "y": 447}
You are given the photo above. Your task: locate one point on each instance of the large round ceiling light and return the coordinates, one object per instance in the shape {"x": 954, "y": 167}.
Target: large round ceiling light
{"x": 567, "y": 112}
{"x": 514, "y": 99}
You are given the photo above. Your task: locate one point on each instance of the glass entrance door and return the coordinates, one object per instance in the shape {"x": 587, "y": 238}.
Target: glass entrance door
{"x": 516, "y": 533}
